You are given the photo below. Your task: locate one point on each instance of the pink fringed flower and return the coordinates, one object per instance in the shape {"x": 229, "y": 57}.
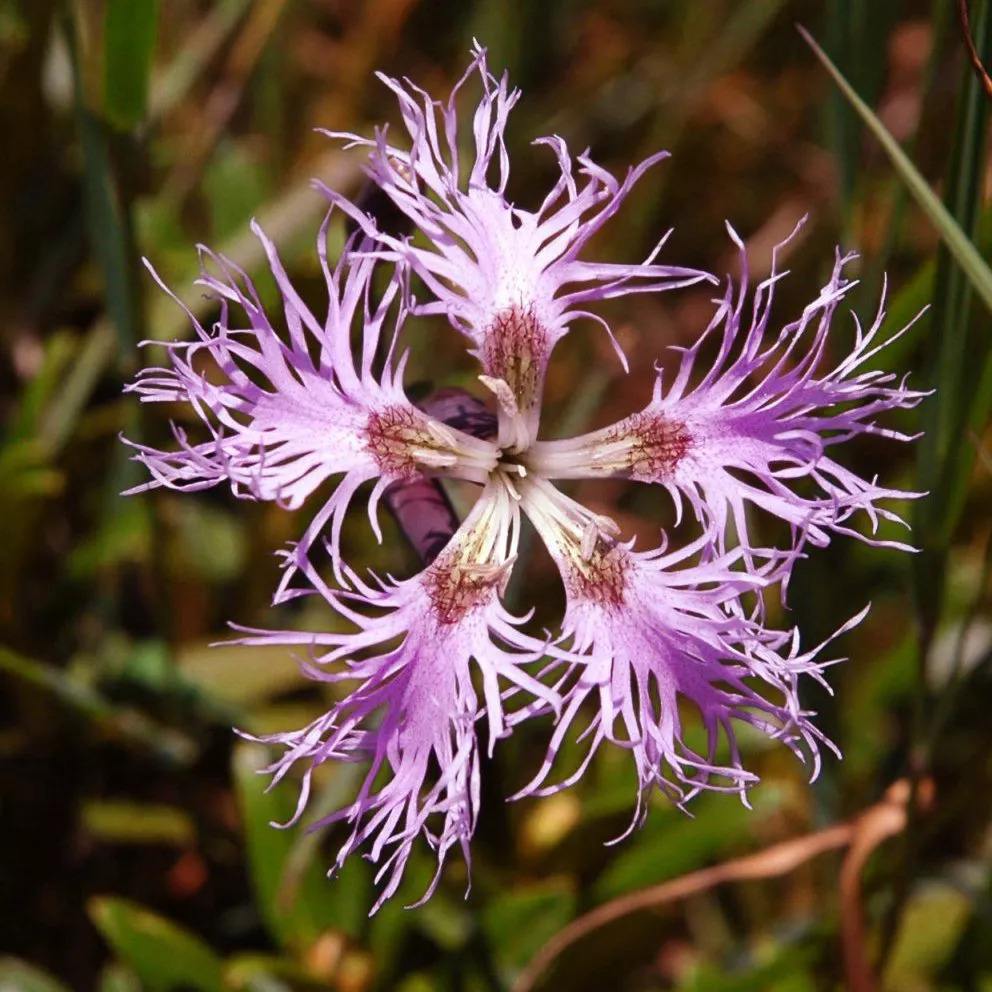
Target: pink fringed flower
{"x": 413, "y": 710}
{"x": 761, "y": 423}
{"x": 283, "y": 413}
{"x": 645, "y": 632}
{"x": 284, "y": 409}
{"x": 509, "y": 279}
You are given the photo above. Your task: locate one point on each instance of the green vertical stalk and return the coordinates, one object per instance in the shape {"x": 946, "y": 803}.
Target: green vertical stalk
{"x": 107, "y": 208}
{"x": 946, "y": 456}
{"x": 855, "y": 32}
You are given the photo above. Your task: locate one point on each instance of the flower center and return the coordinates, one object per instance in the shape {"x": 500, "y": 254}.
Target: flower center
{"x": 601, "y": 577}
{"x": 515, "y": 350}
{"x": 476, "y": 564}
{"x": 647, "y": 446}
{"x": 456, "y": 588}
{"x": 650, "y": 446}
{"x": 514, "y": 355}
{"x": 593, "y": 565}
{"x": 403, "y": 441}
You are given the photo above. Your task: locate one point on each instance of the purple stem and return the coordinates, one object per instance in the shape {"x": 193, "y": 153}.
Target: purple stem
{"x": 422, "y": 508}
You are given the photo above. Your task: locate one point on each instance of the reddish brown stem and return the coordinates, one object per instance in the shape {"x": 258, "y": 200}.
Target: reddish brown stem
{"x": 863, "y": 834}
{"x": 421, "y": 507}
{"x": 976, "y": 60}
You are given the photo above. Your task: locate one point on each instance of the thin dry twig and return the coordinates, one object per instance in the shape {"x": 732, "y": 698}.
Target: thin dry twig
{"x": 422, "y": 507}
{"x": 974, "y": 57}
{"x": 281, "y": 218}
{"x": 201, "y": 45}
{"x": 248, "y": 47}
{"x": 872, "y": 828}
{"x": 863, "y": 833}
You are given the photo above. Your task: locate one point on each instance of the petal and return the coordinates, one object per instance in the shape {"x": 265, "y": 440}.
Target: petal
{"x": 283, "y": 413}
{"x": 507, "y": 278}
{"x": 760, "y": 424}
{"x": 413, "y": 708}
{"x": 646, "y": 636}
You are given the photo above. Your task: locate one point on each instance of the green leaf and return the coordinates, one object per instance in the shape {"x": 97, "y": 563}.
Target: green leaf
{"x": 60, "y": 350}
{"x": 519, "y": 922}
{"x": 107, "y": 219}
{"x": 255, "y": 972}
{"x": 295, "y": 899}
{"x": 19, "y": 976}
{"x": 169, "y": 744}
{"x": 235, "y": 187}
{"x": 212, "y": 541}
{"x": 949, "y": 462}
{"x": 122, "y": 822}
{"x": 873, "y": 695}
{"x": 931, "y": 926}
{"x": 129, "y": 41}
{"x": 25, "y": 473}
{"x": 958, "y": 243}
{"x": 676, "y": 843}
{"x": 126, "y": 536}
{"x": 165, "y": 957}
{"x": 118, "y": 977}
{"x": 238, "y": 675}
{"x": 447, "y": 922}
{"x": 417, "y": 982}
{"x": 785, "y": 971}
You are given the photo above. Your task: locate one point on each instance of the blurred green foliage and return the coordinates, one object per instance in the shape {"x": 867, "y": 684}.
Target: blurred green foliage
{"x": 135, "y": 827}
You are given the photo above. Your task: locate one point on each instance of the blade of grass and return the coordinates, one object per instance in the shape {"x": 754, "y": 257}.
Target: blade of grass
{"x": 198, "y": 49}
{"x": 97, "y": 351}
{"x": 129, "y": 30}
{"x": 896, "y": 195}
{"x": 956, "y": 352}
{"x": 856, "y": 31}
{"x": 168, "y": 744}
{"x": 108, "y": 202}
{"x": 977, "y": 60}
{"x": 955, "y": 222}
{"x": 105, "y": 216}
{"x": 958, "y": 243}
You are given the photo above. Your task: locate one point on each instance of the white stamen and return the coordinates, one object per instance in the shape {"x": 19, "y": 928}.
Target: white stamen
{"x": 590, "y": 538}
{"x": 607, "y": 525}
{"x": 433, "y": 458}
{"x": 510, "y": 488}
{"x": 500, "y": 388}
{"x": 442, "y": 434}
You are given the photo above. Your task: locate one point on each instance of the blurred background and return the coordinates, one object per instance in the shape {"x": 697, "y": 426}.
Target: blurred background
{"x": 133, "y": 827}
